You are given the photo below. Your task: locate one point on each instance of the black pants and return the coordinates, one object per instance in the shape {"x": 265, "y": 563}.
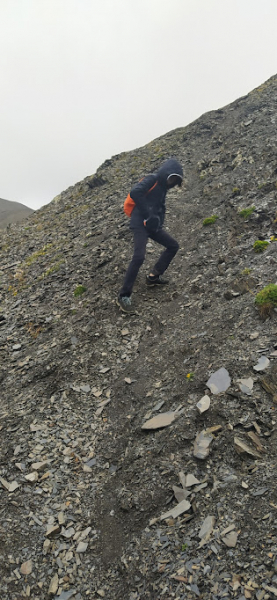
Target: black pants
{"x": 141, "y": 236}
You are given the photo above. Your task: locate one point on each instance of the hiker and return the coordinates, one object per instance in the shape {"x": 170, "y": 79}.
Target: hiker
{"x": 146, "y": 207}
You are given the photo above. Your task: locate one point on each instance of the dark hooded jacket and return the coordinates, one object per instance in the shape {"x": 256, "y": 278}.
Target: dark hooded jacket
{"x": 152, "y": 203}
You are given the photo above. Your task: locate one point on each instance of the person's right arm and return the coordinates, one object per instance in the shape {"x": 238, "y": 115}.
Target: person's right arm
{"x": 139, "y": 194}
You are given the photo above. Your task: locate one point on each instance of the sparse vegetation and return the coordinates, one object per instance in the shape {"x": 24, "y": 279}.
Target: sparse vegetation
{"x": 33, "y": 257}
{"x": 79, "y": 290}
{"x": 55, "y": 267}
{"x": 33, "y": 330}
{"x": 190, "y": 376}
{"x": 247, "y": 212}
{"x": 210, "y": 220}
{"x": 266, "y": 300}
{"x": 260, "y": 245}
{"x": 246, "y": 271}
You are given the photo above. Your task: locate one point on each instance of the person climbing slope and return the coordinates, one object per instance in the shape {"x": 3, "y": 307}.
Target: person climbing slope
{"x": 146, "y": 206}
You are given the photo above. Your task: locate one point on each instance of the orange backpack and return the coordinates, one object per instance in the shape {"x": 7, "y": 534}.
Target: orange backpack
{"x": 130, "y": 204}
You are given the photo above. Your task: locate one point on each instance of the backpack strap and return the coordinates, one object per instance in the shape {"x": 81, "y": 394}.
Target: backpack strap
{"x": 130, "y": 204}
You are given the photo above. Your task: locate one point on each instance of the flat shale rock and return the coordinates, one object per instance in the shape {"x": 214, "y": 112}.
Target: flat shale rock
{"x": 219, "y": 381}
{"x": 230, "y": 539}
{"x": 262, "y": 364}
{"x": 82, "y": 546}
{"x": 202, "y": 444}
{"x": 178, "y": 510}
{"x": 54, "y": 583}
{"x": 206, "y": 529}
{"x": 180, "y": 493}
{"x": 26, "y": 567}
{"x": 203, "y": 404}
{"x": 242, "y": 448}
{"x": 191, "y": 480}
{"x": 246, "y": 385}
{"x": 161, "y": 420}
{"x": 32, "y": 477}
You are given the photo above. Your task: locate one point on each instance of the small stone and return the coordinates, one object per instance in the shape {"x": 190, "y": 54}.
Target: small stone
{"x": 46, "y": 546}
{"x": 179, "y": 493}
{"x": 39, "y": 466}
{"x": 87, "y": 469}
{"x": 201, "y": 444}
{"x": 26, "y": 567}
{"x": 97, "y": 393}
{"x": 191, "y": 480}
{"x": 227, "y": 530}
{"x": 262, "y": 364}
{"x": 85, "y": 388}
{"x": 230, "y": 539}
{"x": 32, "y": 477}
{"x": 246, "y": 385}
{"x": 242, "y": 448}
{"x": 82, "y": 546}
{"x": 54, "y": 583}
{"x": 203, "y": 404}
{"x": 67, "y": 533}
{"x": 254, "y": 438}
{"x": 13, "y": 486}
{"x": 84, "y": 534}
{"x": 254, "y": 336}
{"x": 244, "y": 485}
{"x": 5, "y": 483}
{"x": 101, "y": 593}
{"x": 16, "y": 347}
{"x": 53, "y": 529}
{"x": 61, "y": 518}
{"x": 100, "y": 408}
{"x": 182, "y": 479}
{"x": 66, "y": 595}
{"x": 207, "y": 528}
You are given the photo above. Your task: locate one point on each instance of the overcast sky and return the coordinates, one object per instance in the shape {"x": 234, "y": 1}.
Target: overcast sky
{"x": 82, "y": 80}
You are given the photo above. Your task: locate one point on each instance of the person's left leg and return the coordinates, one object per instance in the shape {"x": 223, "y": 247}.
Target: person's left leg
{"x": 171, "y": 248}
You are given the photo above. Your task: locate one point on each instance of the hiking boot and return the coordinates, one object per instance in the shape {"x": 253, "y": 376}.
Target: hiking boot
{"x": 125, "y": 304}
{"x": 155, "y": 280}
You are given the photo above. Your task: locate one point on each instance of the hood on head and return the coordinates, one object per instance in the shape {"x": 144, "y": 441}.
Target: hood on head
{"x": 169, "y": 167}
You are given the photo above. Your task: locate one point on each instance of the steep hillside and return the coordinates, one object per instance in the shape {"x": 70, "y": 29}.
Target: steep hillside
{"x": 83, "y": 486}
{"x": 12, "y": 212}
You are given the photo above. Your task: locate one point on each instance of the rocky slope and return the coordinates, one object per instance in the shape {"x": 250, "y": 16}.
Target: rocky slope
{"x": 12, "y": 212}
{"x": 84, "y": 490}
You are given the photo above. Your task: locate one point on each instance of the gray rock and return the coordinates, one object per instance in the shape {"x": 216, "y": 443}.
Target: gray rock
{"x": 262, "y": 364}
{"x": 219, "y": 381}
{"x": 202, "y": 444}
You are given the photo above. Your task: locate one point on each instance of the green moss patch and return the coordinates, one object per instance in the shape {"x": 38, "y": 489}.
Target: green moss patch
{"x": 79, "y": 290}
{"x": 260, "y": 245}
{"x": 210, "y": 220}
{"x": 247, "y": 212}
{"x": 266, "y": 299}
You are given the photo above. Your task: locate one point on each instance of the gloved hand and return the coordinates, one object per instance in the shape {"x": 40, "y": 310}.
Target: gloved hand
{"x": 152, "y": 223}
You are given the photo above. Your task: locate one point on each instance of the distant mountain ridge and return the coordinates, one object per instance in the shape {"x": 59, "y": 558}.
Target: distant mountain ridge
{"x": 12, "y": 212}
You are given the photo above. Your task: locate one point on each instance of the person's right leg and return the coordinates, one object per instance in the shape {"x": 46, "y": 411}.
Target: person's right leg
{"x": 140, "y": 240}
